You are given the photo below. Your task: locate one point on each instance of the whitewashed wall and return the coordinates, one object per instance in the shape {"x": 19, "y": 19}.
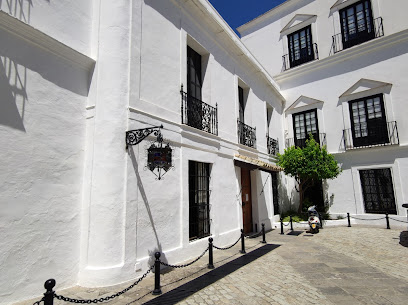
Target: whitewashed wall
{"x": 42, "y": 132}
{"x": 320, "y": 84}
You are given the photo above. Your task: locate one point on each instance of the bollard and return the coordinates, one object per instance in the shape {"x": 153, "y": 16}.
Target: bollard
{"x": 388, "y": 221}
{"x": 263, "y": 234}
{"x": 157, "y": 289}
{"x": 348, "y": 220}
{"x": 321, "y": 220}
{"x": 49, "y": 294}
{"x": 210, "y": 254}
{"x": 291, "y": 223}
{"x": 242, "y": 242}
{"x": 281, "y": 226}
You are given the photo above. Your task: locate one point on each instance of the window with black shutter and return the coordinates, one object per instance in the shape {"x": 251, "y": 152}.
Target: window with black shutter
{"x": 199, "y": 199}
{"x": 300, "y": 47}
{"x": 378, "y": 191}
{"x": 305, "y": 123}
{"x": 357, "y": 24}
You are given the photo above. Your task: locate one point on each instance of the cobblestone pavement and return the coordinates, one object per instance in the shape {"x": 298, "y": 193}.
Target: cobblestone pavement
{"x": 340, "y": 265}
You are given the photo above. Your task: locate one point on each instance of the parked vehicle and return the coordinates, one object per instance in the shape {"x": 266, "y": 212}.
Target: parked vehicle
{"x": 313, "y": 220}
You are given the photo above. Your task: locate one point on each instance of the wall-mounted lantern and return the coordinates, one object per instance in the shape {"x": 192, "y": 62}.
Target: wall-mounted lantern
{"x": 159, "y": 156}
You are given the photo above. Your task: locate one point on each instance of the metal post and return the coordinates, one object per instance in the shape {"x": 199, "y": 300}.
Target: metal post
{"x": 348, "y": 220}
{"x": 321, "y": 220}
{"x": 210, "y": 253}
{"x": 242, "y": 242}
{"x": 291, "y": 224}
{"x": 281, "y": 226}
{"x": 263, "y": 234}
{"x": 388, "y": 221}
{"x": 49, "y": 294}
{"x": 157, "y": 289}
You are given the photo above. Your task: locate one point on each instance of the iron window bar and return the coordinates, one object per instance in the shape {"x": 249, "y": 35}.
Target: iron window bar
{"x": 273, "y": 145}
{"x": 197, "y": 114}
{"x": 363, "y": 136}
{"x": 338, "y": 41}
{"x": 246, "y": 134}
{"x": 301, "y": 142}
{"x": 287, "y": 63}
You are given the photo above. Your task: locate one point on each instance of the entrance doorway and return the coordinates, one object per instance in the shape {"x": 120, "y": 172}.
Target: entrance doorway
{"x": 246, "y": 200}
{"x": 315, "y": 195}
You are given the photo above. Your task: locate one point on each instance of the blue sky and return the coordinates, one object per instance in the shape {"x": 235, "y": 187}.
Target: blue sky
{"x": 238, "y": 12}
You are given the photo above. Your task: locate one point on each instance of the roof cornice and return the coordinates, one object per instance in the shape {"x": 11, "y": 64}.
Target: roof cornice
{"x": 45, "y": 42}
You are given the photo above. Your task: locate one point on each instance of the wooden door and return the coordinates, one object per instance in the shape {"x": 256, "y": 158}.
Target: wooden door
{"x": 246, "y": 200}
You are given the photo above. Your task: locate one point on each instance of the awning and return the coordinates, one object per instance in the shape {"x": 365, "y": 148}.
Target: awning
{"x": 251, "y": 164}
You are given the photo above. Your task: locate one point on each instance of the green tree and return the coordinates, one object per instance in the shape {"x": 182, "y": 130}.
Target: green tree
{"x": 308, "y": 165}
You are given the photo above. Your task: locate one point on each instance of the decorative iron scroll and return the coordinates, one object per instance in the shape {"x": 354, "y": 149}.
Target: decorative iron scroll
{"x": 197, "y": 114}
{"x": 273, "y": 146}
{"x": 246, "y": 134}
{"x": 134, "y": 137}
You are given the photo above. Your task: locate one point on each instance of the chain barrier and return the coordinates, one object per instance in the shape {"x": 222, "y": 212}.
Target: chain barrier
{"x": 367, "y": 219}
{"x": 286, "y": 224}
{"x": 105, "y": 299}
{"x": 38, "y": 302}
{"x": 185, "y": 265}
{"x": 398, "y": 220}
{"x": 226, "y": 248}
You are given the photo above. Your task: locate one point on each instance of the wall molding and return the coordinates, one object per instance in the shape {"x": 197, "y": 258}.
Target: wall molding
{"x": 47, "y": 43}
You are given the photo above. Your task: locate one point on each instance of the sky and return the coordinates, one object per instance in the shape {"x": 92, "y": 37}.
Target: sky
{"x": 238, "y": 12}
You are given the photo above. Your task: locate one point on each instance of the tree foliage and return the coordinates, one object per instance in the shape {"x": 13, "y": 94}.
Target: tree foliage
{"x": 308, "y": 165}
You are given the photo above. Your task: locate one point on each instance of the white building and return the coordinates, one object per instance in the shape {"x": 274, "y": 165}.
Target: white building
{"x": 341, "y": 66}
{"x": 80, "y": 207}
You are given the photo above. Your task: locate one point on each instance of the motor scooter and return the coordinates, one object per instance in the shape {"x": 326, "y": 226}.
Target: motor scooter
{"x": 313, "y": 220}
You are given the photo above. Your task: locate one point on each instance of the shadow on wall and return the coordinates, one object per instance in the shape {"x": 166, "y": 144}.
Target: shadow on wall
{"x": 13, "y": 84}
{"x": 158, "y": 247}
{"x": 285, "y": 201}
{"x": 20, "y": 9}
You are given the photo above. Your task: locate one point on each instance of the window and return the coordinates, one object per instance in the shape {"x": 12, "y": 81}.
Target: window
{"x": 241, "y": 104}
{"x": 199, "y": 199}
{"x": 368, "y": 123}
{"x": 194, "y": 88}
{"x": 275, "y": 193}
{"x": 305, "y": 123}
{"x": 300, "y": 47}
{"x": 378, "y": 191}
{"x": 356, "y": 24}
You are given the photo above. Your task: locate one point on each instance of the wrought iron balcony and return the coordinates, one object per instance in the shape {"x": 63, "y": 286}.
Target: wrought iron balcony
{"x": 319, "y": 138}
{"x": 303, "y": 57}
{"x": 273, "y": 145}
{"x": 340, "y": 43}
{"x": 246, "y": 134}
{"x": 197, "y": 114}
{"x": 368, "y": 135}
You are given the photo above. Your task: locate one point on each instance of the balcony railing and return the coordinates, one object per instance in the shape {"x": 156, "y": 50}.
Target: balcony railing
{"x": 363, "y": 136}
{"x": 197, "y": 114}
{"x": 273, "y": 145}
{"x": 339, "y": 43}
{"x": 320, "y": 138}
{"x": 246, "y": 134}
{"x": 304, "y": 57}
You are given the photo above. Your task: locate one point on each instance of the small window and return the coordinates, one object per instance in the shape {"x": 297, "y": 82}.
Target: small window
{"x": 199, "y": 199}
{"x": 241, "y": 105}
{"x": 356, "y": 24}
{"x": 305, "y": 123}
{"x": 378, "y": 191}
{"x": 300, "y": 47}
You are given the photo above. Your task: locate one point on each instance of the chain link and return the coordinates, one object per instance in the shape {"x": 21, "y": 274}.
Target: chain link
{"x": 367, "y": 219}
{"x": 38, "y": 302}
{"x": 226, "y": 248}
{"x": 286, "y": 224}
{"x": 185, "y": 265}
{"x": 105, "y": 299}
{"x": 398, "y": 220}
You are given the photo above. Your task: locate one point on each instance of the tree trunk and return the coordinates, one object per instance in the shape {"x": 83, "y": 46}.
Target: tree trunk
{"x": 301, "y": 195}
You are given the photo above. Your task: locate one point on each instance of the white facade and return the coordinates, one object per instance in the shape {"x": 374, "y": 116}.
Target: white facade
{"x": 79, "y": 207}
{"x": 327, "y": 84}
